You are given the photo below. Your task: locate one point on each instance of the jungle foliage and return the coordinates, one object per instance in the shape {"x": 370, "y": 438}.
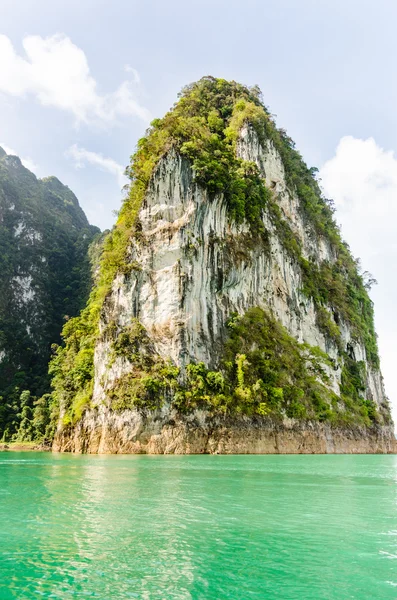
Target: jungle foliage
{"x": 263, "y": 372}
{"x": 45, "y": 279}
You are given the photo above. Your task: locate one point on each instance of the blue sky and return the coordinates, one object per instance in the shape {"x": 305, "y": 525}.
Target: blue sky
{"x": 79, "y": 81}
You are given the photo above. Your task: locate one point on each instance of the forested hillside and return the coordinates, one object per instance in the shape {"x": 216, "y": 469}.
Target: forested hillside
{"x": 45, "y": 279}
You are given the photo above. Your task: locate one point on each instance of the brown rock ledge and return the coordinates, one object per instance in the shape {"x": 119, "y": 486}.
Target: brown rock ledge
{"x": 132, "y": 432}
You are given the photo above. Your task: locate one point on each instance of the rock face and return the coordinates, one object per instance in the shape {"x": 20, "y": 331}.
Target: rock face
{"x": 192, "y": 268}
{"x": 196, "y": 270}
{"x": 45, "y": 275}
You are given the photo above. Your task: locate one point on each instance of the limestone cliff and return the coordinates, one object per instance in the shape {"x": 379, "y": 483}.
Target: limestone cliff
{"x": 230, "y": 316}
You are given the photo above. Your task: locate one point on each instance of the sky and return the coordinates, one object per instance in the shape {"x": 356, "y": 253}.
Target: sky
{"x": 80, "y": 81}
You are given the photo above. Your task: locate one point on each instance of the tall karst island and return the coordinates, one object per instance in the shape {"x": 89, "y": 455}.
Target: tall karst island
{"x": 228, "y": 315}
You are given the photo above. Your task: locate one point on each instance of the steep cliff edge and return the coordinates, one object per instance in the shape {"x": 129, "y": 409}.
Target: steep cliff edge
{"x": 229, "y": 315}
{"x": 45, "y": 277}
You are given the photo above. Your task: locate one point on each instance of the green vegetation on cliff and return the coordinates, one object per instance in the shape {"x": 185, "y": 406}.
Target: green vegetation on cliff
{"x": 263, "y": 371}
{"x": 45, "y": 279}
{"x": 203, "y": 127}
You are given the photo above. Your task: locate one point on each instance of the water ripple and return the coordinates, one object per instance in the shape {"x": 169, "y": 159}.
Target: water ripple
{"x": 198, "y": 527}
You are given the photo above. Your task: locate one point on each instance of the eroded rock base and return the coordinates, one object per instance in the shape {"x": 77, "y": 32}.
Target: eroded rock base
{"x": 134, "y": 433}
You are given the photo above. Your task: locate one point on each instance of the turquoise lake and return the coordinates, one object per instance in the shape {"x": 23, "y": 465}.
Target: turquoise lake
{"x": 198, "y": 527}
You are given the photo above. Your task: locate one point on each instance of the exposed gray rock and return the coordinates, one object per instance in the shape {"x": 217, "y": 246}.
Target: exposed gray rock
{"x": 193, "y": 268}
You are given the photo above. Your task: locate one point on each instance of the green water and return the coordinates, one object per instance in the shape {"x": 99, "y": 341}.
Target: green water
{"x": 198, "y": 527}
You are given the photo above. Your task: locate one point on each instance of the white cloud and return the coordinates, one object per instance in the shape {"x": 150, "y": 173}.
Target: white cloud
{"x": 135, "y": 74}
{"x": 27, "y": 162}
{"x": 56, "y": 72}
{"x": 81, "y": 157}
{"x": 362, "y": 180}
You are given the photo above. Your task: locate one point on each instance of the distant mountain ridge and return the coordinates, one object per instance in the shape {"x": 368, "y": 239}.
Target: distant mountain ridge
{"x": 45, "y": 277}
